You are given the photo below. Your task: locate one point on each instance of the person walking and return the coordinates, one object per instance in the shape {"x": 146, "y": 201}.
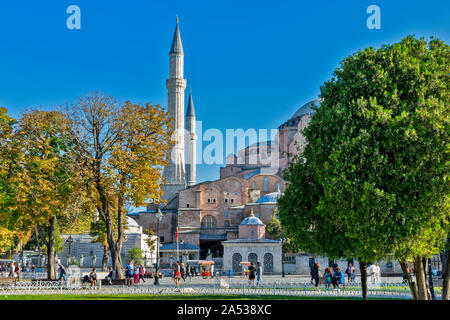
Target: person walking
{"x": 141, "y": 273}
{"x": 350, "y": 271}
{"x": 176, "y": 273}
{"x": 251, "y": 273}
{"x": 17, "y": 270}
{"x": 315, "y": 275}
{"x": 188, "y": 271}
{"x": 183, "y": 272}
{"x": 129, "y": 273}
{"x": 258, "y": 273}
{"x": 212, "y": 271}
{"x": 136, "y": 273}
{"x": 377, "y": 273}
{"x": 62, "y": 274}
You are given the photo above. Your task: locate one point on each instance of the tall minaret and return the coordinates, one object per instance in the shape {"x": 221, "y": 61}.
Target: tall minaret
{"x": 174, "y": 173}
{"x": 191, "y": 174}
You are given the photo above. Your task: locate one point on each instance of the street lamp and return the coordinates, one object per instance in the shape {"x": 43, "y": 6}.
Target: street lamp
{"x": 159, "y": 217}
{"x": 283, "y": 240}
{"x": 69, "y": 241}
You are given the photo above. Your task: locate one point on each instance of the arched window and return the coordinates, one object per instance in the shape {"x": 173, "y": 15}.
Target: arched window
{"x": 253, "y": 185}
{"x": 253, "y": 257}
{"x": 268, "y": 262}
{"x": 236, "y": 262}
{"x": 252, "y": 234}
{"x": 265, "y": 185}
{"x": 277, "y": 187}
{"x": 209, "y": 222}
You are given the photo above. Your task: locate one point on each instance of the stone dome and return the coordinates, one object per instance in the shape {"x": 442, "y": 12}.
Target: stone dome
{"x": 252, "y": 221}
{"x": 306, "y": 108}
{"x": 269, "y": 198}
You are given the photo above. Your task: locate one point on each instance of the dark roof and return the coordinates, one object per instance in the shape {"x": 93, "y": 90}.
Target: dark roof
{"x": 181, "y": 246}
{"x": 252, "y": 241}
{"x": 177, "y": 47}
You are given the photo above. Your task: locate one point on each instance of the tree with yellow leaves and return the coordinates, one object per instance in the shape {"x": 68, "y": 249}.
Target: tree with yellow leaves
{"x": 125, "y": 148}
{"x": 45, "y": 176}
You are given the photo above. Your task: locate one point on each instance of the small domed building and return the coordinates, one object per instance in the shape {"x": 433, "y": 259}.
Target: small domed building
{"x": 252, "y": 245}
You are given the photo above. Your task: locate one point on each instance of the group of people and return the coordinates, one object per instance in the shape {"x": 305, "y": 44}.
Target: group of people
{"x": 254, "y": 271}
{"x": 135, "y": 273}
{"x": 331, "y": 275}
{"x": 183, "y": 270}
{"x": 12, "y": 270}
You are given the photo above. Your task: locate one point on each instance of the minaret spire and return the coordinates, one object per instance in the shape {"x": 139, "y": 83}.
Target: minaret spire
{"x": 174, "y": 173}
{"x": 191, "y": 156}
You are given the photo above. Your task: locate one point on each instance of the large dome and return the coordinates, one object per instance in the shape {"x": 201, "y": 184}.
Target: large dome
{"x": 306, "y": 108}
{"x": 269, "y": 198}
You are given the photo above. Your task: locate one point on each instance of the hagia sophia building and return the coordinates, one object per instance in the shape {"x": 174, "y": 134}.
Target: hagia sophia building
{"x": 223, "y": 220}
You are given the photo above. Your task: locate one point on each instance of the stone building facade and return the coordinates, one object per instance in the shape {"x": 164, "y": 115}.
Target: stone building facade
{"x": 252, "y": 245}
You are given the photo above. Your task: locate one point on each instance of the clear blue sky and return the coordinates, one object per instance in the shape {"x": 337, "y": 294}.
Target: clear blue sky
{"x": 250, "y": 64}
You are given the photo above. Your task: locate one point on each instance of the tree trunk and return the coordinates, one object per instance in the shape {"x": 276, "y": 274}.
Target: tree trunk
{"x": 422, "y": 292}
{"x": 105, "y": 259}
{"x": 51, "y": 250}
{"x": 117, "y": 262}
{"x": 411, "y": 282}
{"x": 363, "y": 269}
{"x": 445, "y": 283}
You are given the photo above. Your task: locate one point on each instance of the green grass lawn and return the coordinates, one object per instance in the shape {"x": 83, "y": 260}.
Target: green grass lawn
{"x": 166, "y": 297}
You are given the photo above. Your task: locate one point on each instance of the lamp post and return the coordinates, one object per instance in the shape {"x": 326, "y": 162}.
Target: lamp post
{"x": 430, "y": 279}
{"x": 69, "y": 241}
{"x": 159, "y": 217}
{"x": 180, "y": 258}
{"x": 282, "y": 257}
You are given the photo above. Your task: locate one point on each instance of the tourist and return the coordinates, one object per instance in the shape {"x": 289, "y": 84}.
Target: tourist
{"x": 93, "y": 278}
{"x": 183, "y": 272}
{"x": 62, "y": 274}
{"x": 17, "y": 270}
{"x": 12, "y": 270}
{"x": 212, "y": 271}
{"x": 176, "y": 273}
{"x": 350, "y": 272}
{"x": 188, "y": 271}
{"x": 141, "y": 273}
{"x": 328, "y": 277}
{"x": 338, "y": 278}
{"x": 111, "y": 276}
{"x": 251, "y": 273}
{"x": 136, "y": 273}
{"x": 129, "y": 273}
{"x": 376, "y": 273}
{"x": 315, "y": 274}
{"x": 258, "y": 273}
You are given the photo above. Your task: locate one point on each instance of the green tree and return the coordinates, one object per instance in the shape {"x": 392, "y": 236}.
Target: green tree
{"x": 136, "y": 255}
{"x": 376, "y": 164}
{"x": 44, "y": 177}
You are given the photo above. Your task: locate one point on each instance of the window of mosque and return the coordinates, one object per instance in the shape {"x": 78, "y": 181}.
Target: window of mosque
{"x": 265, "y": 184}
{"x": 187, "y": 205}
{"x": 252, "y": 234}
{"x": 209, "y": 200}
{"x": 232, "y": 200}
{"x": 214, "y": 200}
{"x": 225, "y": 212}
{"x": 208, "y": 222}
{"x": 253, "y": 186}
{"x": 226, "y": 200}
